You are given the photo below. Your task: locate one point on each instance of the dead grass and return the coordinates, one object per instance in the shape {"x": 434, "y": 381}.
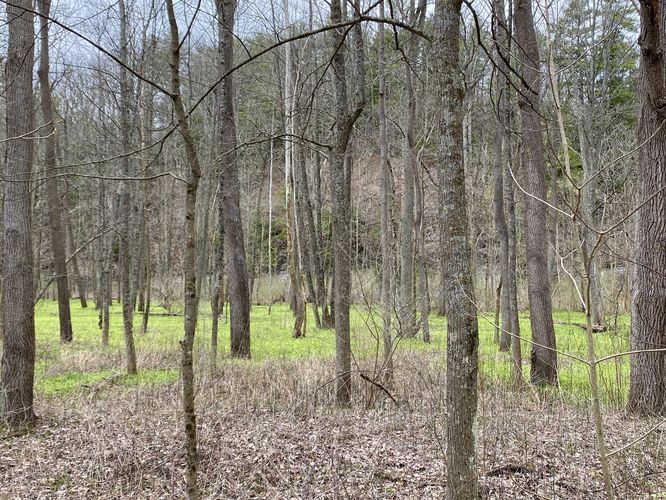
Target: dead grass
{"x": 270, "y": 430}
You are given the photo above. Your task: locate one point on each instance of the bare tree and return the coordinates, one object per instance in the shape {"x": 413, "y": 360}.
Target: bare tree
{"x": 346, "y": 116}
{"x": 18, "y": 320}
{"x": 544, "y": 356}
{"x": 297, "y": 294}
{"x": 58, "y": 234}
{"x": 239, "y": 293}
{"x": 462, "y": 327}
{"x": 387, "y": 213}
{"x": 647, "y": 391}
{"x": 191, "y": 298}
{"x": 124, "y": 212}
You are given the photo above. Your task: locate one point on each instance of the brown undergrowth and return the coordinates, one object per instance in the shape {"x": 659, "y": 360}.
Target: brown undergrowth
{"x": 269, "y": 430}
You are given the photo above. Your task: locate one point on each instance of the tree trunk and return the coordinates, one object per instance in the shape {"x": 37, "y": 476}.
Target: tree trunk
{"x": 501, "y": 46}
{"x": 218, "y": 284}
{"x": 590, "y": 160}
{"x": 341, "y": 195}
{"x": 239, "y": 293}
{"x": 386, "y": 229}
{"x": 462, "y": 327}
{"x": 293, "y": 254}
{"x": 18, "y": 355}
{"x": 76, "y": 271}
{"x": 544, "y": 357}
{"x": 419, "y": 227}
{"x": 104, "y": 263}
{"x": 58, "y": 235}
{"x": 124, "y": 212}
{"x": 647, "y": 391}
{"x": 191, "y": 298}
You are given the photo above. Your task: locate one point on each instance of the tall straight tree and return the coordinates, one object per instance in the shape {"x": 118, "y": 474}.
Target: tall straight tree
{"x": 18, "y": 319}
{"x": 544, "y": 356}
{"x": 239, "y": 292}
{"x": 58, "y": 234}
{"x": 647, "y": 391}
{"x": 501, "y": 45}
{"x": 345, "y": 117}
{"x": 124, "y": 212}
{"x": 386, "y": 214}
{"x": 407, "y": 224}
{"x": 462, "y": 326}
{"x": 293, "y": 248}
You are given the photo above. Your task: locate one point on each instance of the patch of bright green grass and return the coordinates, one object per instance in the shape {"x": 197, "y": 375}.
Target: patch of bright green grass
{"x": 271, "y": 339}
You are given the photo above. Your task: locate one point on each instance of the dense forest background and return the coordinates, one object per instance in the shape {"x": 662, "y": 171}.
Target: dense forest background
{"x": 443, "y": 218}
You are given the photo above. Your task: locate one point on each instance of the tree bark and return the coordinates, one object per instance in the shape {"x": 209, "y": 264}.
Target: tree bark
{"x": 58, "y": 235}
{"x": 647, "y": 390}
{"x": 462, "y": 327}
{"x": 76, "y": 270}
{"x": 191, "y": 299}
{"x": 239, "y": 293}
{"x": 544, "y": 356}
{"x": 18, "y": 355}
{"x": 501, "y": 46}
{"x": 590, "y": 161}
{"x": 293, "y": 254}
{"x": 124, "y": 212}
{"x": 386, "y": 228}
{"x": 341, "y": 194}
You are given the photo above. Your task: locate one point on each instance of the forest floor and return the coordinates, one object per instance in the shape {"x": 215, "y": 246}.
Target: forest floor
{"x": 268, "y": 428}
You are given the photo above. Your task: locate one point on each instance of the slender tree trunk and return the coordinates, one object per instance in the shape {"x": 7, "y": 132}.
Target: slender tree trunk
{"x": 514, "y": 325}
{"x": 239, "y": 294}
{"x": 424, "y": 299}
{"x": 103, "y": 260}
{"x": 189, "y": 262}
{"x": 58, "y": 235}
{"x": 501, "y": 46}
{"x": 462, "y": 337}
{"x": 407, "y": 223}
{"x": 148, "y": 283}
{"x": 293, "y": 257}
{"x": 386, "y": 229}
{"x": 590, "y": 162}
{"x": 218, "y": 285}
{"x": 124, "y": 212}
{"x": 340, "y": 193}
{"x": 76, "y": 271}
{"x": 544, "y": 356}
{"x": 647, "y": 390}
{"x": 270, "y": 224}
{"x": 18, "y": 355}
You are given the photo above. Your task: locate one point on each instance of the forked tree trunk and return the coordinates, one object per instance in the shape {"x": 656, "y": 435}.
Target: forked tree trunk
{"x": 462, "y": 327}
{"x": 18, "y": 354}
{"x": 58, "y": 235}
{"x": 647, "y": 390}
{"x": 544, "y": 356}
{"x": 341, "y": 193}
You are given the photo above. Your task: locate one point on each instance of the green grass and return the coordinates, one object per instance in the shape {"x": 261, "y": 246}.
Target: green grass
{"x": 84, "y": 363}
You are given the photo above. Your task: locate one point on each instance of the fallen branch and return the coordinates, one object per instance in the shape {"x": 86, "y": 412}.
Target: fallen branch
{"x": 380, "y": 386}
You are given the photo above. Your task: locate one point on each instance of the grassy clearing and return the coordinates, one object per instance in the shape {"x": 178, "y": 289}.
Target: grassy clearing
{"x": 66, "y": 368}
